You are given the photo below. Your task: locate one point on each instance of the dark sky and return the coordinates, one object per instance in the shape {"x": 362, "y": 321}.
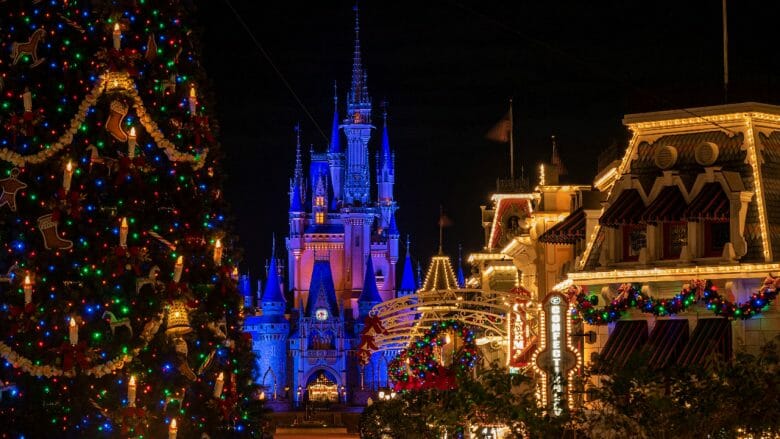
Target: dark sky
{"x": 447, "y": 69}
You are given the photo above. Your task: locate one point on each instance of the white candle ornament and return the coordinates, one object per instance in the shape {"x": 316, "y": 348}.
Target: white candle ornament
{"x": 193, "y": 100}
{"x": 123, "y": 229}
{"x": 218, "y": 385}
{"x": 131, "y": 392}
{"x": 74, "y": 332}
{"x": 67, "y": 176}
{"x": 173, "y": 429}
{"x": 177, "y": 269}
{"x": 27, "y": 290}
{"x": 131, "y": 143}
{"x": 27, "y": 100}
{"x": 117, "y": 37}
{"x": 218, "y": 252}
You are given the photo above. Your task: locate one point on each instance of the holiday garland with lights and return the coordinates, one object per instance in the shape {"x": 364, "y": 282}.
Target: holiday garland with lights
{"x": 631, "y": 296}
{"x": 421, "y": 365}
{"x": 119, "y": 314}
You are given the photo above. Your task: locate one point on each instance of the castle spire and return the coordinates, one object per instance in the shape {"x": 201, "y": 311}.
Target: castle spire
{"x": 335, "y": 141}
{"x": 356, "y": 93}
{"x": 461, "y": 277}
{"x": 555, "y": 160}
{"x": 298, "y": 160}
{"x": 408, "y": 284}
{"x": 370, "y": 294}
{"x": 272, "y": 295}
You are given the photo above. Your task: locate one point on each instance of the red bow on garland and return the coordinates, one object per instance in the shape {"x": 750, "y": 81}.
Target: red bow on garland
{"x": 74, "y": 355}
{"x": 202, "y": 130}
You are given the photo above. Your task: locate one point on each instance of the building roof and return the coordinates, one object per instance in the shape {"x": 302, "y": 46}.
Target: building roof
{"x": 668, "y": 205}
{"x": 440, "y": 275}
{"x": 370, "y": 293}
{"x": 626, "y": 209}
{"x": 273, "y": 291}
{"x": 408, "y": 284}
{"x": 322, "y": 293}
{"x": 568, "y": 231}
{"x": 711, "y": 204}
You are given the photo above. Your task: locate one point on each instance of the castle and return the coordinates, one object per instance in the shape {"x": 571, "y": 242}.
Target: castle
{"x": 342, "y": 251}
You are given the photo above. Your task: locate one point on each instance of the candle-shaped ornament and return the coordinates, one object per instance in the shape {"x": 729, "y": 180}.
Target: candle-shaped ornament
{"x": 27, "y": 100}
{"x": 131, "y": 392}
{"x": 67, "y": 176}
{"x": 219, "y": 384}
{"x": 74, "y": 332}
{"x": 123, "y": 229}
{"x": 173, "y": 429}
{"x": 193, "y": 99}
{"x": 177, "y": 269}
{"x": 131, "y": 143}
{"x": 27, "y": 290}
{"x": 117, "y": 37}
{"x": 218, "y": 252}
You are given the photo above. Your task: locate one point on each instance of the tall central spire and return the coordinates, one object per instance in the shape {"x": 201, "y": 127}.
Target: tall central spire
{"x": 357, "y": 128}
{"x": 356, "y": 93}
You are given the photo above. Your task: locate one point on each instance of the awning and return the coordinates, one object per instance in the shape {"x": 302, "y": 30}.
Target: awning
{"x": 568, "y": 231}
{"x": 711, "y": 204}
{"x": 669, "y": 205}
{"x": 666, "y": 342}
{"x": 626, "y": 209}
{"x": 627, "y": 337}
{"x": 710, "y": 336}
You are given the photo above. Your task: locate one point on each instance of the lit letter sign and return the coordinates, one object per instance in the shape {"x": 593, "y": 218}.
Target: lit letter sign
{"x": 556, "y": 358}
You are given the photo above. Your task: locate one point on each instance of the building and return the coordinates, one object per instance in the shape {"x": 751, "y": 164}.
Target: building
{"x": 694, "y": 198}
{"x": 342, "y": 250}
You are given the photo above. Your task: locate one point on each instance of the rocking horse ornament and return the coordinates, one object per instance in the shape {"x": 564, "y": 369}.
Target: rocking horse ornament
{"x": 30, "y": 47}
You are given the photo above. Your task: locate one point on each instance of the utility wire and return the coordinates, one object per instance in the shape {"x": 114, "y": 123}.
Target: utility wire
{"x": 276, "y": 69}
{"x": 594, "y": 68}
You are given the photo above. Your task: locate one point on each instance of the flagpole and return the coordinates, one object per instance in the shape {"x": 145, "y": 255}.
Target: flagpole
{"x": 512, "y": 143}
{"x": 725, "y": 55}
{"x": 441, "y": 230}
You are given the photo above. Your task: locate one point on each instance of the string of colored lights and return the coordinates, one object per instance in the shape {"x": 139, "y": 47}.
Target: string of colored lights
{"x": 631, "y": 296}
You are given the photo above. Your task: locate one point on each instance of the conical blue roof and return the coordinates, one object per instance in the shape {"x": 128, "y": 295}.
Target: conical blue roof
{"x": 322, "y": 293}
{"x": 370, "y": 292}
{"x": 272, "y": 292}
{"x": 461, "y": 277}
{"x": 392, "y": 229}
{"x": 296, "y": 205}
{"x": 407, "y": 280}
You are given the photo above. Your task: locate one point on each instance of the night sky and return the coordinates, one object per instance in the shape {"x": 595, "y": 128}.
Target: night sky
{"x": 447, "y": 69}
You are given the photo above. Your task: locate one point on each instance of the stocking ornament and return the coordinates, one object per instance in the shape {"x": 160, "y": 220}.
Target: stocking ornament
{"x": 10, "y": 186}
{"x": 51, "y": 239}
{"x": 114, "y": 122}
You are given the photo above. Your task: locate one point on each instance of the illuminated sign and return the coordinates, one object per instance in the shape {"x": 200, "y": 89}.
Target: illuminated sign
{"x": 556, "y": 359}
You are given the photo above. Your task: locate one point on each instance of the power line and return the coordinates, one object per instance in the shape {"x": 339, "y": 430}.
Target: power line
{"x": 276, "y": 69}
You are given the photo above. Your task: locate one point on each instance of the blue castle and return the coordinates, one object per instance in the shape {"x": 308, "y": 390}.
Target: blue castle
{"x": 342, "y": 252}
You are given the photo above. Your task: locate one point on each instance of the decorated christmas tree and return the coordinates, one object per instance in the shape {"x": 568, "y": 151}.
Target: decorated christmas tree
{"x": 119, "y": 314}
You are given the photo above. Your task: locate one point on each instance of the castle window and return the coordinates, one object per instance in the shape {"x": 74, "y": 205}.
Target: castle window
{"x": 675, "y": 236}
{"x": 634, "y": 239}
{"x": 319, "y": 201}
{"x": 319, "y": 217}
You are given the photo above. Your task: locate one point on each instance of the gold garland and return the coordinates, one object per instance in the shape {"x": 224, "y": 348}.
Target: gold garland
{"x": 111, "y": 81}
{"x": 21, "y": 362}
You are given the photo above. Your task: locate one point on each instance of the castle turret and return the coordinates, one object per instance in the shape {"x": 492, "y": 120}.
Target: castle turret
{"x": 269, "y": 333}
{"x": 245, "y": 289}
{"x": 461, "y": 278}
{"x": 408, "y": 284}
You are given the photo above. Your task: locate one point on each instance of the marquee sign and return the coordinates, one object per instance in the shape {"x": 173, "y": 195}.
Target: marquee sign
{"x": 557, "y": 359}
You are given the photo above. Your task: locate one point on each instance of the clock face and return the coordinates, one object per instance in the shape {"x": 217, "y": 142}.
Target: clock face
{"x": 321, "y": 314}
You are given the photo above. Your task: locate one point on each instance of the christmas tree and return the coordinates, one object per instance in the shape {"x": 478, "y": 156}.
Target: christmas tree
{"x": 119, "y": 315}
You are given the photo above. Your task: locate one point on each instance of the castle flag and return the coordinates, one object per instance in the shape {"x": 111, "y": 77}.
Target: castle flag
{"x": 501, "y": 130}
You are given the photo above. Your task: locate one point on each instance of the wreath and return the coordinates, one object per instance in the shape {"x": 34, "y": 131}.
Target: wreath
{"x": 420, "y": 366}
{"x": 631, "y": 296}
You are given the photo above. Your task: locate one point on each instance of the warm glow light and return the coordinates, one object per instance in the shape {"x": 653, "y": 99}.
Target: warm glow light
{"x": 116, "y": 27}
{"x": 69, "y": 166}
{"x": 132, "y": 380}
{"x": 27, "y": 280}
{"x": 132, "y": 131}
{"x": 218, "y": 244}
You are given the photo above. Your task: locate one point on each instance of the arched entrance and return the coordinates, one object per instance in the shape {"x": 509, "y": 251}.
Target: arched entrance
{"x": 322, "y": 387}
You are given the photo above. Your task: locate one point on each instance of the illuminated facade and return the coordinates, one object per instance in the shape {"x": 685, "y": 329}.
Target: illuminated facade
{"x": 693, "y": 198}
{"x": 342, "y": 251}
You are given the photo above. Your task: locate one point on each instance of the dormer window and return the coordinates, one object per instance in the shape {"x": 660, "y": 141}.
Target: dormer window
{"x": 716, "y": 235}
{"x": 634, "y": 239}
{"x": 675, "y": 237}
{"x": 319, "y": 201}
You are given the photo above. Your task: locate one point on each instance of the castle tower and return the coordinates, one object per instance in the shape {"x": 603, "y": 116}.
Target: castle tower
{"x": 269, "y": 333}
{"x": 357, "y": 127}
{"x": 385, "y": 176}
